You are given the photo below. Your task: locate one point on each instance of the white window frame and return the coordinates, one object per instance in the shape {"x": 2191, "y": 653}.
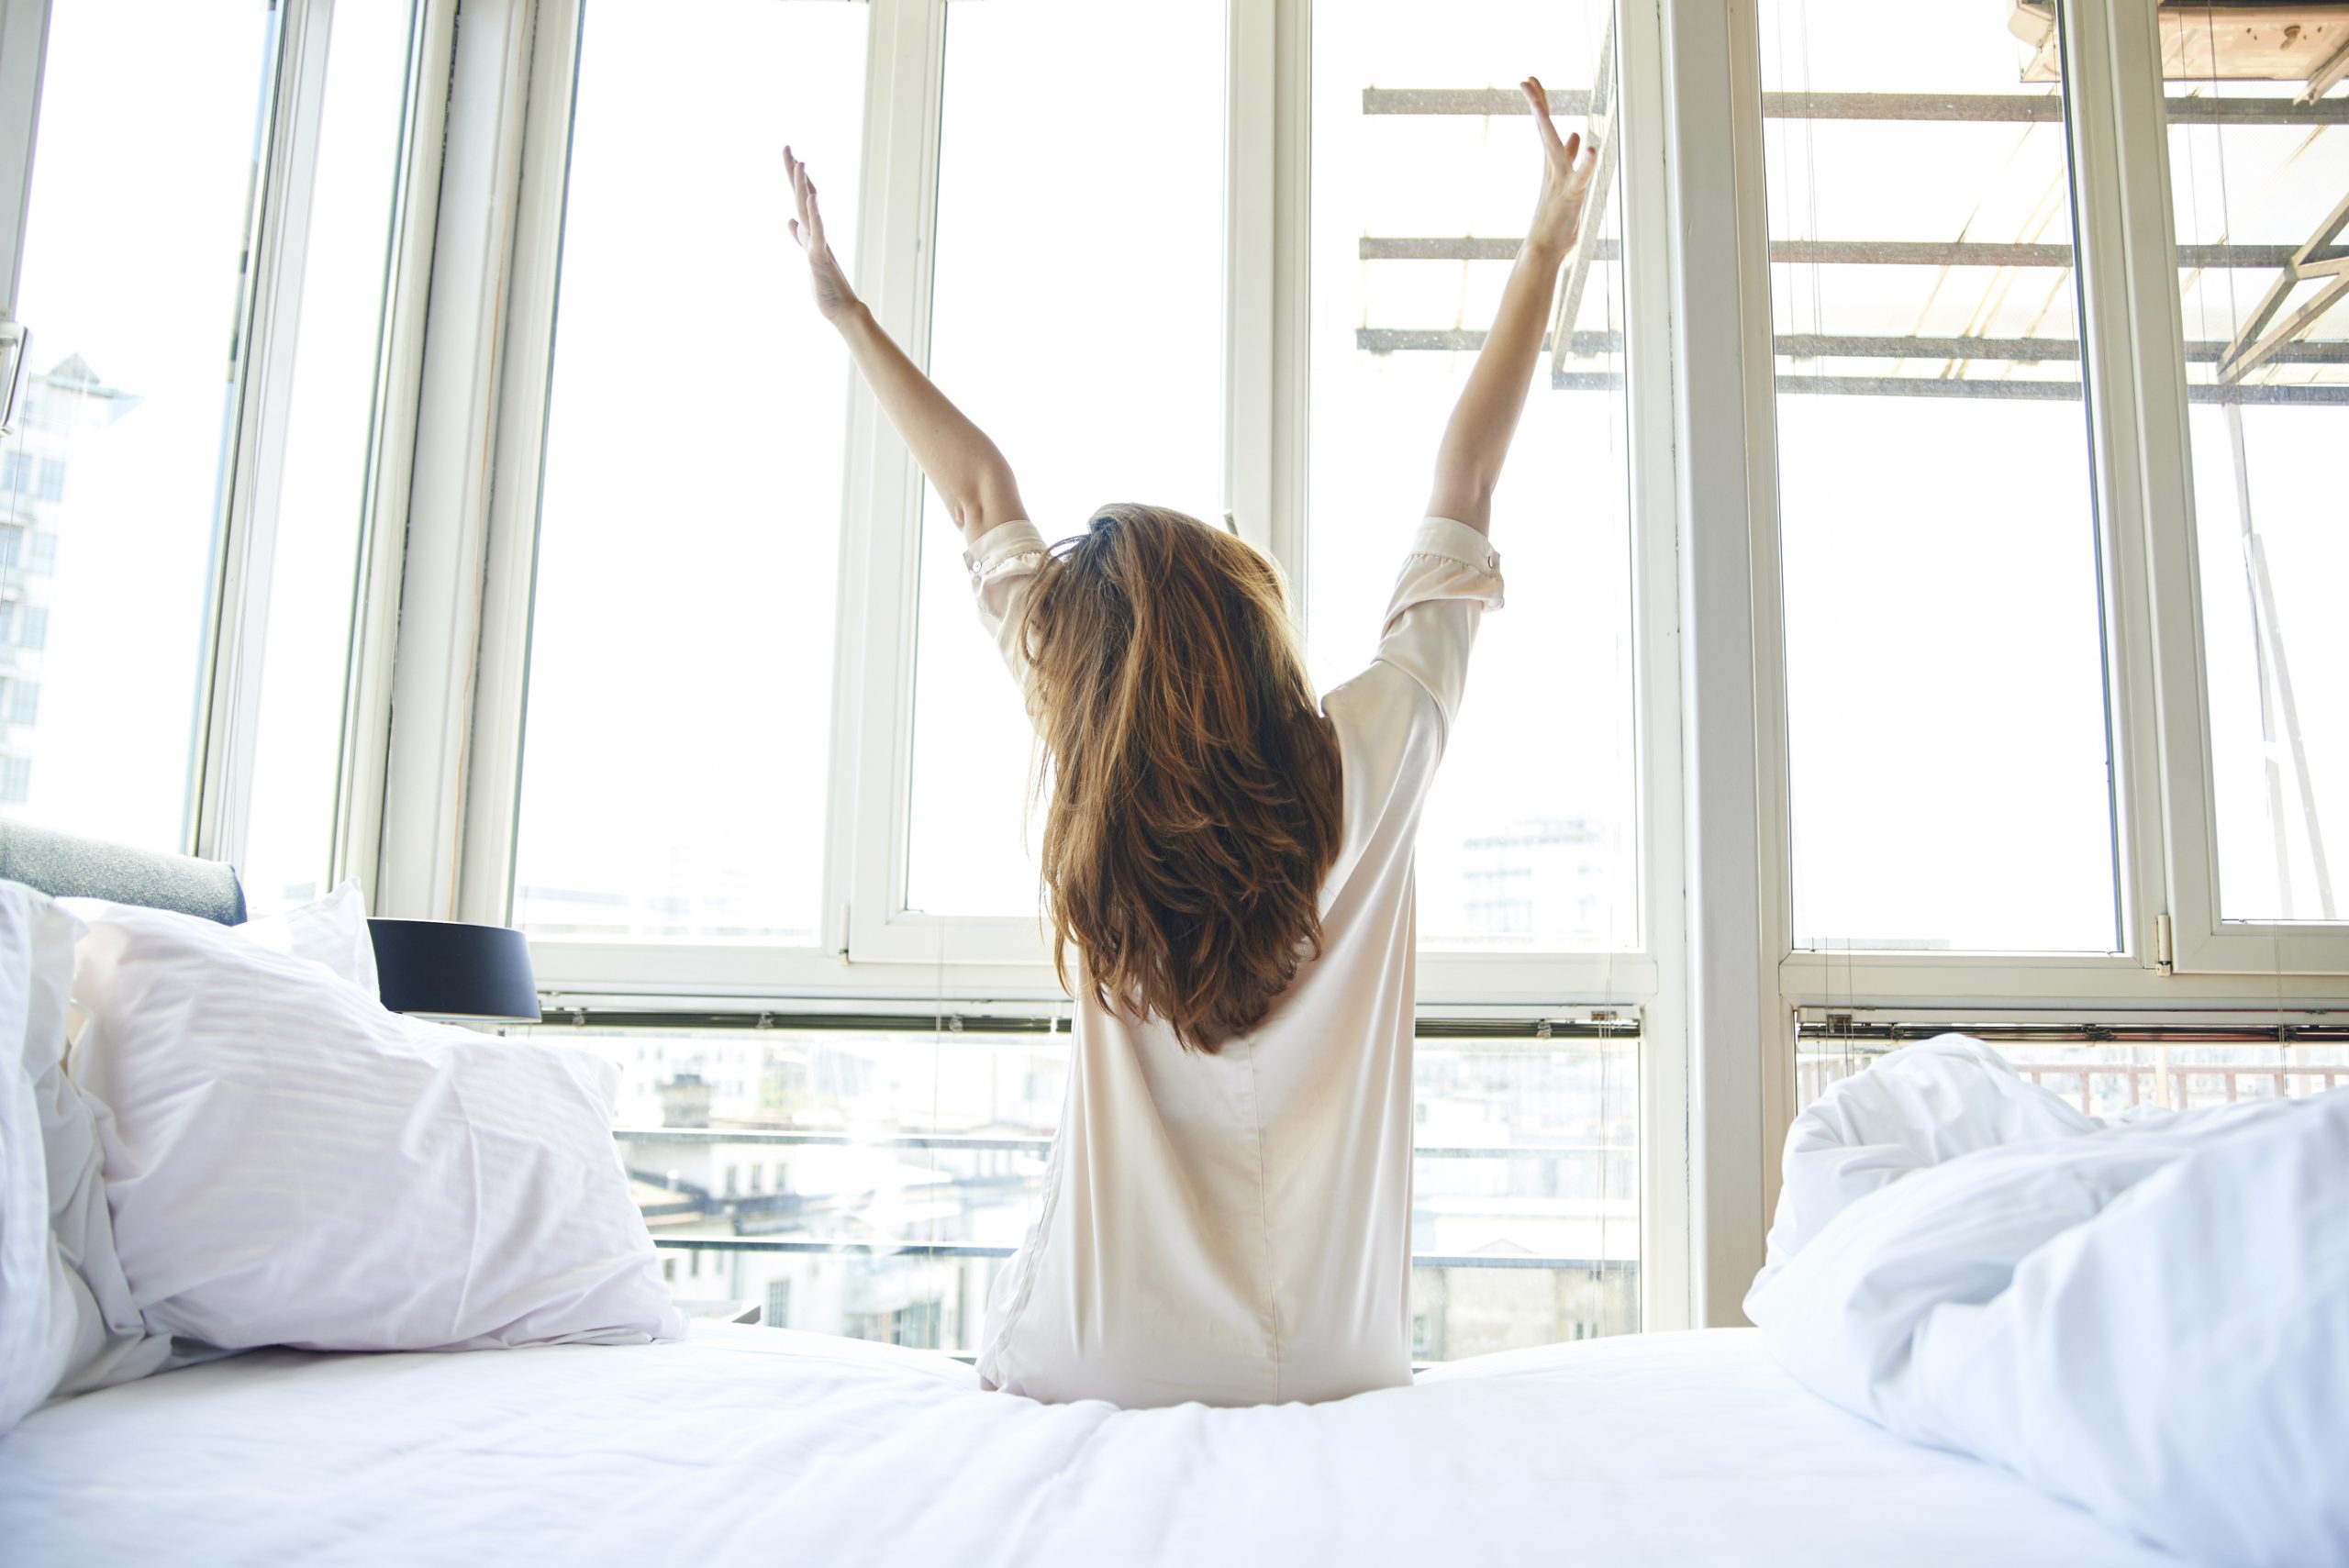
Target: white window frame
{"x": 870, "y": 943}
{"x": 24, "y": 50}
{"x": 269, "y": 313}
{"x": 2153, "y": 335}
{"x": 434, "y": 717}
{"x": 1717, "y": 978}
{"x": 453, "y": 781}
{"x": 2173, "y": 951}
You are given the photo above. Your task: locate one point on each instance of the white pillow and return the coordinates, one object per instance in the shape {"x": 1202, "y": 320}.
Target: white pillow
{"x": 289, "y": 1163}
{"x": 66, "y": 1317}
{"x": 332, "y": 930}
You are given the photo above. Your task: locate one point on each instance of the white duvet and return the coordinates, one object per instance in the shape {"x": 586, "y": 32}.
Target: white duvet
{"x": 766, "y": 1448}
{"x": 2150, "y": 1319}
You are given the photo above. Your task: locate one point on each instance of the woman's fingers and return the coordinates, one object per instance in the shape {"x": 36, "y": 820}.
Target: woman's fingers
{"x": 808, "y": 227}
{"x": 1539, "y": 97}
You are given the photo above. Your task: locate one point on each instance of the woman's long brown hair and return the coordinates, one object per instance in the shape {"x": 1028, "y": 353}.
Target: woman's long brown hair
{"x": 1196, "y": 783}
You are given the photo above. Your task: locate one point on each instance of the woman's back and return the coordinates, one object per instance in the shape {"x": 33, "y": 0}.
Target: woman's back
{"x": 1227, "y": 1213}
{"x": 1234, "y": 1227}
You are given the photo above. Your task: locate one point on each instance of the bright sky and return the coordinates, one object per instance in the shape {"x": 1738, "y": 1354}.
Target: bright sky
{"x": 130, "y": 261}
{"x": 1943, "y": 661}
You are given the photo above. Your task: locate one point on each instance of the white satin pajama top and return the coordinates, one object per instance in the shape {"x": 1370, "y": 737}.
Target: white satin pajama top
{"x": 1235, "y": 1228}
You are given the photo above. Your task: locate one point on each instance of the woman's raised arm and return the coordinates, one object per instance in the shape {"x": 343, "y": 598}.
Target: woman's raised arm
{"x": 1468, "y": 464}
{"x": 970, "y": 472}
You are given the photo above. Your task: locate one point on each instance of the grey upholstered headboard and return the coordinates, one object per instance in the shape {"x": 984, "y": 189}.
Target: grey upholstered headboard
{"x": 66, "y": 867}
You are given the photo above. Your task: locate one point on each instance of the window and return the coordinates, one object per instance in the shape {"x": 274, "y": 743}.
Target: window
{"x": 1949, "y": 750}
{"x": 1122, "y": 401}
{"x": 2258, "y": 193}
{"x": 12, "y": 547}
{"x": 920, "y": 1156}
{"x": 16, "y": 780}
{"x": 673, "y": 777}
{"x": 330, "y": 414}
{"x": 731, "y": 787}
{"x": 2107, "y": 1079}
{"x": 132, "y": 285}
{"x": 41, "y": 560}
{"x": 23, "y": 701}
{"x": 1420, "y": 198}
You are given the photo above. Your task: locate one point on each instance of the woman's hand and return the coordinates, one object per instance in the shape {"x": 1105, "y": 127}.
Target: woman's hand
{"x": 834, "y": 298}
{"x": 1565, "y": 176}
{"x": 1468, "y": 464}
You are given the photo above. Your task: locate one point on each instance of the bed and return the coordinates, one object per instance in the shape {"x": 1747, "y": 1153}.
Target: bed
{"x": 2152, "y": 1318}
{"x": 743, "y": 1444}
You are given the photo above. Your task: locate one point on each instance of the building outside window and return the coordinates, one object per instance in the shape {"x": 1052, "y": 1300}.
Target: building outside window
{"x": 65, "y": 404}
{"x": 15, "y": 779}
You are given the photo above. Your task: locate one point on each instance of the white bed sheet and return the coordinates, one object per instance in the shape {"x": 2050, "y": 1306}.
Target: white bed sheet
{"x": 743, "y": 1445}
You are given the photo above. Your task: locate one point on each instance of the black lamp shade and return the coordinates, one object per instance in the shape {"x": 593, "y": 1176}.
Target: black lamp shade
{"x": 451, "y": 969}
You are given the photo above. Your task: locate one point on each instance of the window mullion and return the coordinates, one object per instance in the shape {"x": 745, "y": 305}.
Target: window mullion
{"x": 2136, "y": 476}
{"x": 1640, "y": 130}
{"x": 433, "y": 719}
{"x": 279, "y": 250}
{"x": 1732, "y": 666}
{"x": 537, "y": 190}
{"x": 1253, "y": 92}
{"x": 24, "y": 41}
{"x": 367, "y": 700}
{"x": 872, "y": 710}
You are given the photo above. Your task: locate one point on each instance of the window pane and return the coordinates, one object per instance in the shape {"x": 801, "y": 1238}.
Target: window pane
{"x": 148, "y": 144}
{"x": 873, "y": 1184}
{"x": 675, "y": 760}
{"x": 1077, "y": 315}
{"x": 2267, "y": 374}
{"x": 298, "y": 747}
{"x": 2119, "y": 1080}
{"x": 1530, "y": 836}
{"x": 1944, "y": 660}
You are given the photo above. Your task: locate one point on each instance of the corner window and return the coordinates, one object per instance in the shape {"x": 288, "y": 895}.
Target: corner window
{"x": 1531, "y": 839}
{"x": 2262, "y": 237}
{"x": 1950, "y": 753}
{"x": 133, "y": 284}
{"x": 674, "y": 773}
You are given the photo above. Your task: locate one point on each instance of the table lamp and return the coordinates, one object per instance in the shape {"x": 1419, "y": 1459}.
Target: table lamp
{"x": 447, "y": 969}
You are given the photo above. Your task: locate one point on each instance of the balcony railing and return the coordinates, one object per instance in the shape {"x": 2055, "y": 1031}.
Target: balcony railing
{"x": 938, "y": 1250}
{"x": 1040, "y": 1143}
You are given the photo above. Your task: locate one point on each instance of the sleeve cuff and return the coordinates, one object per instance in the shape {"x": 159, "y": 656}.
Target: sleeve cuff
{"x": 1453, "y": 541}
{"x": 1001, "y": 543}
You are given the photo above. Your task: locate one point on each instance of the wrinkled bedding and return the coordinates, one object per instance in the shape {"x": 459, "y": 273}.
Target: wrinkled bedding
{"x": 743, "y": 1445}
{"x": 2149, "y": 1318}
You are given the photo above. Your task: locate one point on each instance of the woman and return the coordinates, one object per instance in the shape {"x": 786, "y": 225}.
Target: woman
{"x": 1226, "y": 1212}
